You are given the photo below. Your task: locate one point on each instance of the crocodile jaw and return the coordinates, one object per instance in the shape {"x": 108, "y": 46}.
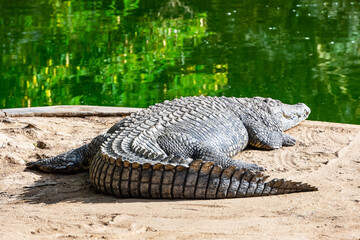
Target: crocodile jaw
{"x": 290, "y": 115}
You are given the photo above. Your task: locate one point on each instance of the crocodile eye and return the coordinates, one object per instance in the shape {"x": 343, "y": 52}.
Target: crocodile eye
{"x": 271, "y": 104}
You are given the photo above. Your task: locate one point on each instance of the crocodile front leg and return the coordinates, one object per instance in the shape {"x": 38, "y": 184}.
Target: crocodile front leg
{"x": 262, "y": 137}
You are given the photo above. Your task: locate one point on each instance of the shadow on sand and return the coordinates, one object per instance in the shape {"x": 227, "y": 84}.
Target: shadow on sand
{"x": 55, "y": 188}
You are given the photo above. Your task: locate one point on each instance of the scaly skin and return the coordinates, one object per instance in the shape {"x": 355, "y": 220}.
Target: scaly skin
{"x": 183, "y": 149}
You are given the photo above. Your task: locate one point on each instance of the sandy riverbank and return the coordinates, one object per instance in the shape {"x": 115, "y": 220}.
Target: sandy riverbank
{"x": 45, "y": 206}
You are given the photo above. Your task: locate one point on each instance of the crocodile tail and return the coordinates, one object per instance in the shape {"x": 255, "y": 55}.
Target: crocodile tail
{"x": 198, "y": 180}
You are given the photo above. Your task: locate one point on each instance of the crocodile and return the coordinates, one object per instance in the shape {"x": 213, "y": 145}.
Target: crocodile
{"x": 183, "y": 148}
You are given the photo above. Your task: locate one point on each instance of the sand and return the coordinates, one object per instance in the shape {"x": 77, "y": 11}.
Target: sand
{"x": 37, "y": 205}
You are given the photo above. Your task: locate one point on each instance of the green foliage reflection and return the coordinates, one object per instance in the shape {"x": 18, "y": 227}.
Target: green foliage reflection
{"x": 139, "y": 52}
{"x": 89, "y": 54}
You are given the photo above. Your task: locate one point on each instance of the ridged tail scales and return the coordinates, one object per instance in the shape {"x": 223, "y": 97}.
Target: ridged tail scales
{"x": 199, "y": 180}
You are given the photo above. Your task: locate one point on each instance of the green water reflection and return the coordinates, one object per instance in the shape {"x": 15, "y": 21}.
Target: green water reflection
{"x": 136, "y": 53}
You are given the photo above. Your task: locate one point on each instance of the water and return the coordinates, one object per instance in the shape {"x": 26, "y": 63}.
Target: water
{"x": 135, "y": 53}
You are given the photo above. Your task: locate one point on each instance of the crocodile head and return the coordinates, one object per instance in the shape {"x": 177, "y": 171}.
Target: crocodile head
{"x": 286, "y": 115}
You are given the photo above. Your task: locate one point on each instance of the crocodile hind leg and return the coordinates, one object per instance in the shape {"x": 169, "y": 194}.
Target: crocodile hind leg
{"x": 77, "y": 159}
{"x": 184, "y": 146}
{"x": 72, "y": 161}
